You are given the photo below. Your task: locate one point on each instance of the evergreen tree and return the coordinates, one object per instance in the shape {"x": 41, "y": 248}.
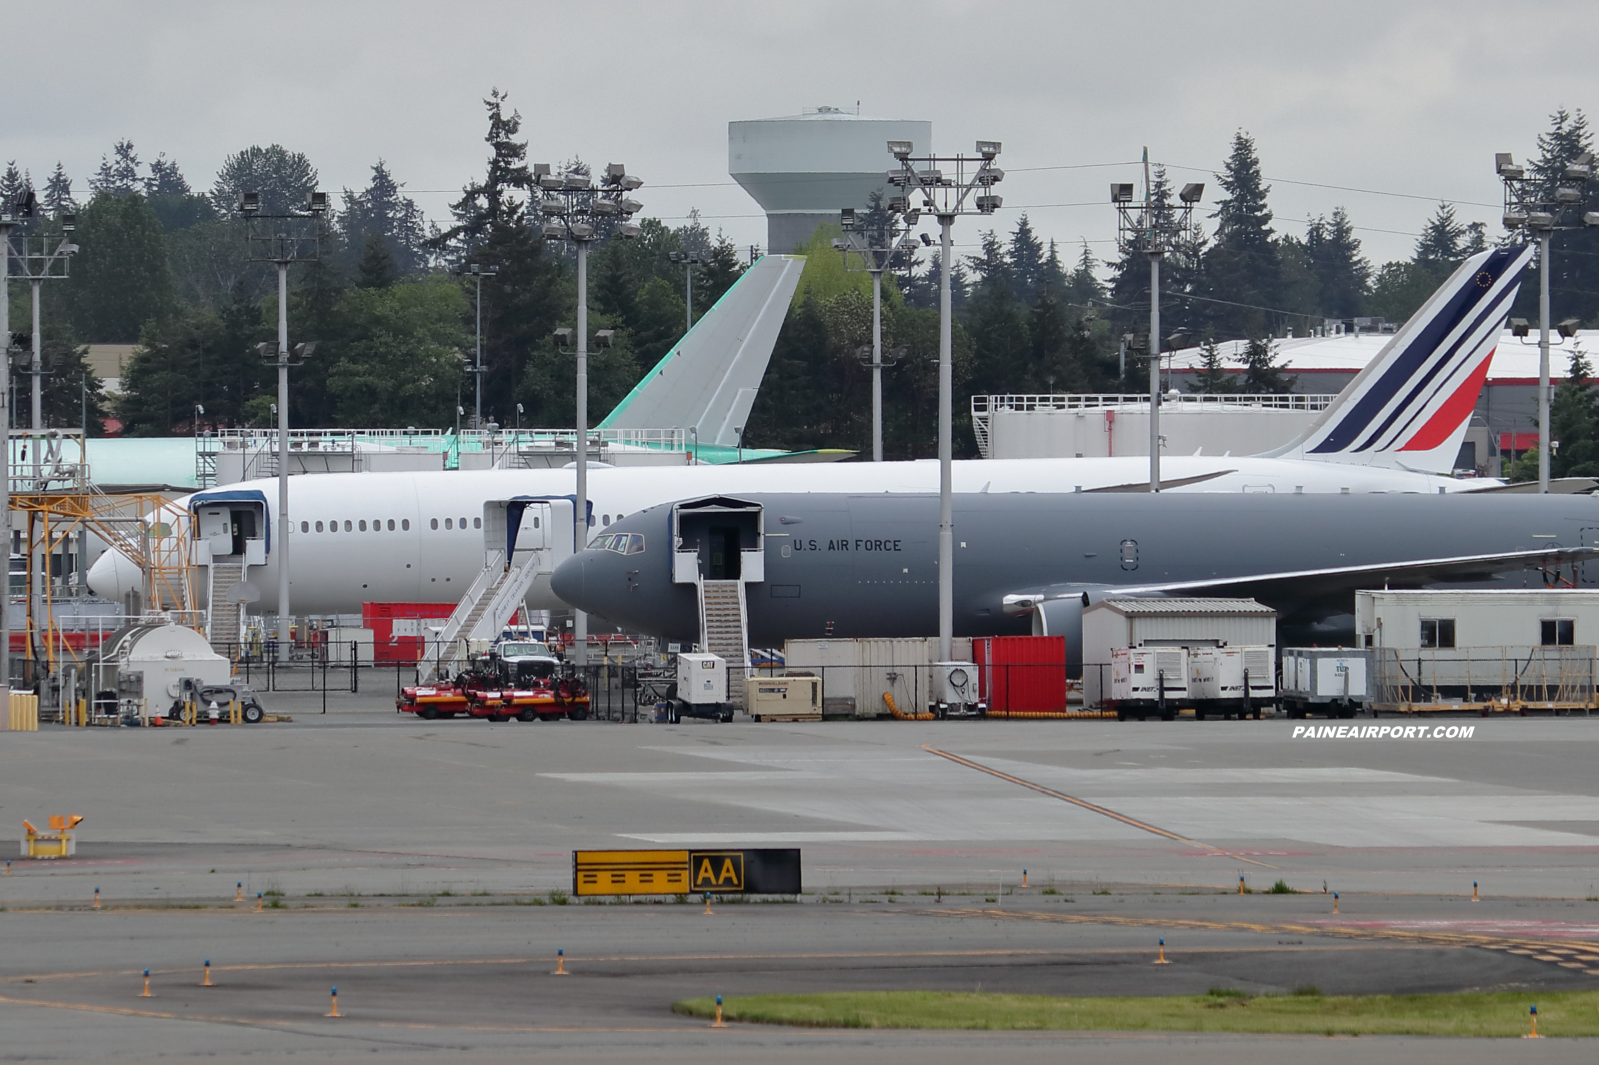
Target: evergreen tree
{"x": 14, "y": 186}
{"x": 121, "y": 278}
{"x": 376, "y": 268}
{"x": 166, "y": 179}
{"x": 281, "y": 177}
{"x": 1026, "y": 261}
{"x": 394, "y": 218}
{"x": 1262, "y": 372}
{"x": 494, "y": 203}
{"x": 1242, "y": 264}
{"x": 171, "y": 198}
{"x": 1085, "y": 288}
{"x": 1343, "y": 274}
{"x": 1213, "y": 377}
{"x": 1442, "y": 241}
{"x": 1574, "y": 253}
{"x": 58, "y": 198}
{"x": 119, "y": 172}
{"x": 1574, "y": 422}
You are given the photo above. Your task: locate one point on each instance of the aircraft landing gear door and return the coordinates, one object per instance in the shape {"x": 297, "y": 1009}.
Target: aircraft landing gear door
{"x": 719, "y": 539}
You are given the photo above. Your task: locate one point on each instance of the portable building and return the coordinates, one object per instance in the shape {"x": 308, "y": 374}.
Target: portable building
{"x": 855, "y": 674}
{"x": 1133, "y": 622}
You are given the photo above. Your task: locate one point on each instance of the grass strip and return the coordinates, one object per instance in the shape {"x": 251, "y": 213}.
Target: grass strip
{"x": 1495, "y": 1014}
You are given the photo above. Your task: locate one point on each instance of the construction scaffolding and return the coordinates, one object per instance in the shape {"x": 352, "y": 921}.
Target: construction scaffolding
{"x": 52, "y": 494}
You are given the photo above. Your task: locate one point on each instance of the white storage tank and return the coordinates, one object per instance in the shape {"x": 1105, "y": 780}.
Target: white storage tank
{"x": 803, "y": 169}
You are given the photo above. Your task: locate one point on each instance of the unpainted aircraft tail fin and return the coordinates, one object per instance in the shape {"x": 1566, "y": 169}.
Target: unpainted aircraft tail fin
{"x": 709, "y": 380}
{"x": 1410, "y": 406}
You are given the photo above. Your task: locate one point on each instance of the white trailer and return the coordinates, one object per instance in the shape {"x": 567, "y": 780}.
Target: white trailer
{"x": 1328, "y": 680}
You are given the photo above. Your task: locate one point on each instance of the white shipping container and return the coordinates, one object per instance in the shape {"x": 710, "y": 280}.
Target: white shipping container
{"x": 856, "y": 673}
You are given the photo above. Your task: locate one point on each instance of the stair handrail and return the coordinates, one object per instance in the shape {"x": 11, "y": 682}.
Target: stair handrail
{"x": 442, "y": 647}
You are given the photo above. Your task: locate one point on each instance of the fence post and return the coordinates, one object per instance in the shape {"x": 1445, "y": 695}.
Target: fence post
{"x": 355, "y": 667}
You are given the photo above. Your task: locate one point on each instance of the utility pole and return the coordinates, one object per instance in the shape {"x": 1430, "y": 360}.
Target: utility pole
{"x": 291, "y": 242}
{"x": 6, "y": 222}
{"x": 478, "y": 272}
{"x": 877, "y": 242}
{"x": 574, "y": 209}
{"x": 1539, "y": 206}
{"x": 689, "y": 261}
{"x": 945, "y": 196}
{"x": 1154, "y": 229}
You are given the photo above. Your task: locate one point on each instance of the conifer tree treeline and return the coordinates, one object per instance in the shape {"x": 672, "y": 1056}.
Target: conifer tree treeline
{"x": 164, "y": 264}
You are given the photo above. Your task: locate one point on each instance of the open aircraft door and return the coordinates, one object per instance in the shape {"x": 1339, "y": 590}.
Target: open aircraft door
{"x": 532, "y": 532}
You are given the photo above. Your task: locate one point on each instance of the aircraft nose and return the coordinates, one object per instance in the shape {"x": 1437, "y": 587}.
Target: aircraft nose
{"x": 567, "y": 580}
{"x": 114, "y": 574}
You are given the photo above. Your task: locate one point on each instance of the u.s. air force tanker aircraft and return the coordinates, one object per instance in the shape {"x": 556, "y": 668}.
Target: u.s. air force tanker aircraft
{"x": 834, "y": 564}
{"x": 419, "y": 537}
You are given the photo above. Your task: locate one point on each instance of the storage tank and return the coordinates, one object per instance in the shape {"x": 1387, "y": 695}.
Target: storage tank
{"x": 802, "y": 169}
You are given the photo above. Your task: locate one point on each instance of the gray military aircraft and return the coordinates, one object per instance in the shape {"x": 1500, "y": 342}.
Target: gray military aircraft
{"x": 817, "y": 565}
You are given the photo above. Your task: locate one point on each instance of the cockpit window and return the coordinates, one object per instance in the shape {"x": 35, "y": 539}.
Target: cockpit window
{"x": 621, "y": 543}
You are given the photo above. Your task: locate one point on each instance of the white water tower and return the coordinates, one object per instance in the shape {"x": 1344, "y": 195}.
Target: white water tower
{"x": 803, "y": 169}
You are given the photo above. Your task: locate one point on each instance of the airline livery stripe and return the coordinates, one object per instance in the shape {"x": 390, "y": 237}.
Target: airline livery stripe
{"x": 1489, "y": 316}
{"x": 1456, "y": 409}
{"x": 1419, "y": 351}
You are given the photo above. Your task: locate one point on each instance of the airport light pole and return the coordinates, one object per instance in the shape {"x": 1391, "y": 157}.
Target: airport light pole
{"x": 967, "y": 189}
{"x": 48, "y": 262}
{"x": 1536, "y": 207}
{"x": 575, "y": 209}
{"x": 477, "y": 272}
{"x": 283, "y": 239}
{"x": 7, "y": 221}
{"x": 689, "y": 261}
{"x": 1154, "y": 228}
{"x": 877, "y": 238}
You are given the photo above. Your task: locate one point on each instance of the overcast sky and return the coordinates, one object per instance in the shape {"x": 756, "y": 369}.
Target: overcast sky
{"x": 1410, "y": 97}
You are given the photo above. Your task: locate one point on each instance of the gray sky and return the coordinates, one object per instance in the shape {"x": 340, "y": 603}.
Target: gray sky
{"x": 1408, "y": 97}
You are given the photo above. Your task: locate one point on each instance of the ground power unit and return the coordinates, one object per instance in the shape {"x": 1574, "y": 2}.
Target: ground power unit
{"x": 1230, "y": 681}
{"x": 701, "y": 688}
{"x": 1324, "y": 680}
{"x": 1148, "y": 680}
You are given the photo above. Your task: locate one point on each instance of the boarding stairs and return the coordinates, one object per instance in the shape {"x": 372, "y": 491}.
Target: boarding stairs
{"x": 483, "y": 611}
{"x": 222, "y": 626}
{"x": 724, "y": 631}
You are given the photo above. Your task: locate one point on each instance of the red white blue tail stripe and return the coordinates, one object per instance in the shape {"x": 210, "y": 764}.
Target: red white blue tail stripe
{"x": 1410, "y": 406}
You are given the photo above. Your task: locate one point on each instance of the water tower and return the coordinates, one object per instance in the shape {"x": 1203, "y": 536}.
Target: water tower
{"x": 802, "y": 169}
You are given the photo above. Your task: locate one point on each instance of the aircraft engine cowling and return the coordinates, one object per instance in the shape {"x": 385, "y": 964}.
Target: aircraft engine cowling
{"x": 1059, "y": 612}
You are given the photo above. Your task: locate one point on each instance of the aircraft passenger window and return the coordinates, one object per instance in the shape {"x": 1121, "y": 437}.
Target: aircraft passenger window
{"x": 391, "y": 525}
{"x": 605, "y": 518}
{"x": 463, "y": 523}
{"x": 333, "y": 526}
{"x": 449, "y": 523}
{"x": 319, "y": 526}
{"x": 477, "y": 523}
{"x": 435, "y": 523}
{"x": 405, "y": 524}
{"x": 1437, "y": 632}
{"x": 305, "y": 526}
{"x": 1558, "y": 632}
{"x": 347, "y": 527}
{"x": 363, "y": 525}
{"x": 535, "y": 523}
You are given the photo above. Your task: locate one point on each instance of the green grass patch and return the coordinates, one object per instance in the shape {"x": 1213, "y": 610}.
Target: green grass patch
{"x": 1500, "y": 1014}
{"x": 557, "y": 897}
{"x": 1281, "y": 888}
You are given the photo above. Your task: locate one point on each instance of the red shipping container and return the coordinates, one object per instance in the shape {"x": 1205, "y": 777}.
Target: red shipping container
{"x": 398, "y": 634}
{"x": 1021, "y": 674}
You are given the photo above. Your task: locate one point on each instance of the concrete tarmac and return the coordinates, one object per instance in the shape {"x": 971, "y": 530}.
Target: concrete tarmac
{"x": 418, "y": 866}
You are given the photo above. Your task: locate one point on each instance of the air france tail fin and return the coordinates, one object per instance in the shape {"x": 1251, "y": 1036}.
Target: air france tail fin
{"x": 709, "y": 380}
{"x": 1410, "y": 406}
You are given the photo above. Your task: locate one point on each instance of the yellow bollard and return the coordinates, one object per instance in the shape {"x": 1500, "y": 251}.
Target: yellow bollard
{"x": 146, "y": 992}
{"x": 1473, "y": 891}
{"x": 707, "y": 904}
{"x": 8, "y": 866}
{"x": 1024, "y": 878}
{"x": 1534, "y": 1033}
{"x": 238, "y": 892}
{"x": 718, "y": 1023}
{"x": 207, "y": 982}
{"x": 1335, "y": 902}
{"x": 1162, "y": 959}
{"x": 97, "y": 898}
{"x": 334, "y": 1012}
{"x": 257, "y": 902}
{"x": 1240, "y": 884}
{"x": 560, "y": 962}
